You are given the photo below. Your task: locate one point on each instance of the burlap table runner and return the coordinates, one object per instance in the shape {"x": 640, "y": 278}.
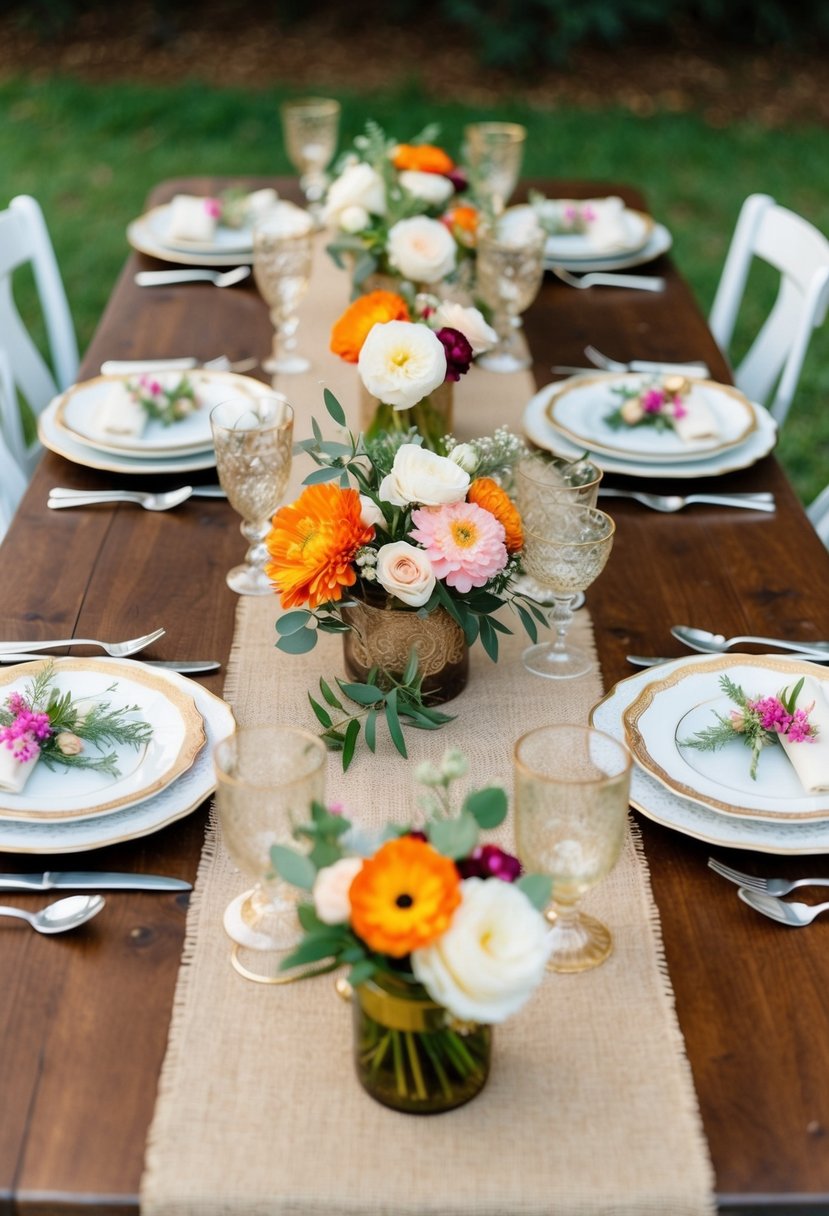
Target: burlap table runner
{"x": 589, "y": 1109}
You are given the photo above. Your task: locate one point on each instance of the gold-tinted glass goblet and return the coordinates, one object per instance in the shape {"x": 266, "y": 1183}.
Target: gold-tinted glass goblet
{"x": 565, "y": 550}
{"x": 509, "y": 270}
{"x": 252, "y": 437}
{"x": 572, "y": 788}
{"x": 494, "y": 152}
{"x": 310, "y": 128}
{"x": 283, "y": 249}
{"x": 266, "y": 780}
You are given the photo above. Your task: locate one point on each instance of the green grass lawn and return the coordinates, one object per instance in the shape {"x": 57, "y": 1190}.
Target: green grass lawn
{"x": 91, "y": 153}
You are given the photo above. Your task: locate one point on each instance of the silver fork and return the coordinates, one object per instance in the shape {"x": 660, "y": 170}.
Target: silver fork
{"x": 637, "y": 282}
{"x": 160, "y": 278}
{"x": 675, "y": 502}
{"x": 692, "y": 368}
{"x": 59, "y": 499}
{"x": 793, "y": 914}
{"x": 766, "y": 886}
{"x": 118, "y": 650}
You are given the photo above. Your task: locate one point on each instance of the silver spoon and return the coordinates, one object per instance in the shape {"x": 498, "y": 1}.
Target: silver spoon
{"x": 62, "y": 915}
{"x": 781, "y": 910}
{"x": 714, "y": 643}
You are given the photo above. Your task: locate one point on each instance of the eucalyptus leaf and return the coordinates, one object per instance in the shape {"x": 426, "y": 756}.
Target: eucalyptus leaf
{"x": 487, "y": 806}
{"x": 290, "y": 622}
{"x": 326, "y": 473}
{"x": 361, "y": 972}
{"x": 298, "y": 643}
{"x": 322, "y": 715}
{"x": 454, "y": 837}
{"x": 295, "y": 868}
{"x": 329, "y": 695}
{"x": 334, "y": 408}
{"x": 393, "y": 723}
{"x": 351, "y": 733}
{"x": 537, "y": 887}
{"x": 363, "y": 694}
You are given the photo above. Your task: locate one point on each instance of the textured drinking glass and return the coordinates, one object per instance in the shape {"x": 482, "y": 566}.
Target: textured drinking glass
{"x": 266, "y": 779}
{"x": 509, "y": 277}
{"x": 253, "y": 437}
{"x": 494, "y": 152}
{"x": 565, "y": 549}
{"x": 310, "y": 128}
{"x": 572, "y": 788}
{"x": 282, "y": 270}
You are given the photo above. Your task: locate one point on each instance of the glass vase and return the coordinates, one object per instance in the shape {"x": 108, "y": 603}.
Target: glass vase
{"x": 410, "y": 1053}
{"x": 432, "y": 416}
{"x": 383, "y": 636}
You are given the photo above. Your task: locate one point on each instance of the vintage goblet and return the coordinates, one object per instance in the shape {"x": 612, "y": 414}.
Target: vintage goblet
{"x": 572, "y": 787}
{"x": 565, "y": 549}
{"x": 494, "y": 152}
{"x": 266, "y": 779}
{"x": 253, "y": 437}
{"x": 509, "y": 273}
{"x": 283, "y": 247}
{"x": 310, "y": 128}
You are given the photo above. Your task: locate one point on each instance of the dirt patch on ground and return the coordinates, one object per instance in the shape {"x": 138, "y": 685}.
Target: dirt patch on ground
{"x": 229, "y": 46}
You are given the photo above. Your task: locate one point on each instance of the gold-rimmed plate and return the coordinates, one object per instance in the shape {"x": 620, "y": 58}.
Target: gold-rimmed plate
{"x": 149, "y": 234}
{"x": 67, "y": 794}
{"x": 636, "y": 228}
{"x": 672, "y": 709}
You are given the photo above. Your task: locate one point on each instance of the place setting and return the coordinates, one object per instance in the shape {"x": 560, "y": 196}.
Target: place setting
{"x": 598, "y": 234}
{"x": 202, "y": 231}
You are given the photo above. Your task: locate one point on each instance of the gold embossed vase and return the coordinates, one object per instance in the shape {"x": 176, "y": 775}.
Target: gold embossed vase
{"x": 383, "y": 636}
{"x": 410, "y": 1053}
{"x": 433, "y": 416}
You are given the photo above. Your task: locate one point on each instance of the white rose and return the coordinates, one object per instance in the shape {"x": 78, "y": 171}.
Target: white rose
{"x": 331, "y": 887}
{"x": 466, "y": 456}
{"x": 370, "y": 513}
{"x": 431, "y": 188}
{"x": 354, "y": 219}
{"x": 492, "y": 956}
{"x": 401, "y": 362}
{"x": 468, "y": 321}
{"x": 405, "y": 571}
{"x": 422, "y": 249}
{"x": 357, "y": 186}
{"x": 421, "y": 476}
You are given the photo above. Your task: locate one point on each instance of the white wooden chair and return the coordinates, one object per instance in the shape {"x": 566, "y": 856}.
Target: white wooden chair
{"x": 818, "y": 513}
{"x": 24, "y": 239}
{"x": 770, "y": 370}
{"x": 12, "y": 481}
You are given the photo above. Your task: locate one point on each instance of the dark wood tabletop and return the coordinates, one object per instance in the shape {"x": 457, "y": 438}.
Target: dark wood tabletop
{"x": 84, "y": 1019}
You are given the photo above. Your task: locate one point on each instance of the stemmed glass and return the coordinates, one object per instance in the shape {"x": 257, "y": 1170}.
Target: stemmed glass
{"x": 572, "y": 788}
{"x": 283, "y": 247}
{"x": 565, "y": 549}
{"x": 509, "y": 272}
{"x": 252, "y": 438}
{"x": 266, "y": 779}
{"x": 494, "y": 152}
{"x": 310, "y": 128}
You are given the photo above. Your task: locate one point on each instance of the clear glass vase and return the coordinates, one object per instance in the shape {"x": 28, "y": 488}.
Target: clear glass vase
{"x": 433, "y": 416}
{"x": 410, "y": 1053}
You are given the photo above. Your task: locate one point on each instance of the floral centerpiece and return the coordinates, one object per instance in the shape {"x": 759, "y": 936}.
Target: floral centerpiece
{"x": 43, "y": 725}
{"x": 408, "y": 357}
{"x": 409, "y": 555}
{"x": 443, "y": 936}
{"x": 394, "y": 211}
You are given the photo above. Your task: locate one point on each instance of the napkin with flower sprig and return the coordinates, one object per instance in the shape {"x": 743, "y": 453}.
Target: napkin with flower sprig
{"x": 43, "y": 725}
{"x": 796, "y": 718}
{"x": 131, "y": 403}
{"x": 603, "y": 222}
{"x": 195, "y": 219}
{"x": 665, "y": 403}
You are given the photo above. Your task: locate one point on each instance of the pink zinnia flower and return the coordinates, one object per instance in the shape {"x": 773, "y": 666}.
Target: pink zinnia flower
{"x": 652, "y": 400}
{"x": 464, "y": 542}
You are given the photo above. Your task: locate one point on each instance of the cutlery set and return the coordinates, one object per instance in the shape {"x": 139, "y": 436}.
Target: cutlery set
{"x": 635, "y": 282}
{"x": 74, "y": 910}
{"x": 61, "y": 497}
{"x": 705, "y": 642}
{"x": 765, "y": 895}
{"x": 27, "y": 652}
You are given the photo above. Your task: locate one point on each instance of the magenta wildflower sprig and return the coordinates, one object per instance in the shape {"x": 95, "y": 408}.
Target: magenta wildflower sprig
{"x": 758, "y": 722}
{"x": 42, "y": 723}
{"x": 658, "y": 404}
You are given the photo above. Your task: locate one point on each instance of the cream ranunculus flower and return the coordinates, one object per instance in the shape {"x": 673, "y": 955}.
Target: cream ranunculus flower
{"x": 370, "y": 513}
{"x": 422, "y": 249}
{"x": 405, "y": 571}
{"x": 468, "y": 321}
{"x": 492, "y": 956}
{"x": 354, "y": 219}
{"x": 357, "y": 186}
{"x": 401, "y": 362}
{"x": 331, "y": 887}
{"x": 421, "y": 476}
{"x": 431, "y": 188}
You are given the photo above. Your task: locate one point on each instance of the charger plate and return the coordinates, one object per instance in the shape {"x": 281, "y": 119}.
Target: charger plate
{"x": 67, "y": 794}
{"x": 655, "y": 801}
{"x": 148, "y": 234}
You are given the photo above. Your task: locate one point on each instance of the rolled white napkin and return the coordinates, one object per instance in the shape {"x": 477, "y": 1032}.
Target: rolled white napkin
{"x": 810, "y": 757}
{"x": 14, "y": 773}
{"x": 698, "y": 421}
{"x": 119, "y": 415}
{"x": 606, "y": 227}
{"x": 192, "y": 218}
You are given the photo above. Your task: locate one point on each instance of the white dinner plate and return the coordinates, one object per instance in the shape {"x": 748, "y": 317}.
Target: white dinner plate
{"x": 64, "y": 794}
{"x": 657, "y": 802}
{"x": 77, "y": 410}
{"x": 579, "y": 409}
{"x": 148, "y": 234}
{"x": 577, "y": 246}
{"x": 539, "y": 429}
{"x": 660, "y": 242}
{"x": 180, "y": 798}
{"x": 671, "y": 710}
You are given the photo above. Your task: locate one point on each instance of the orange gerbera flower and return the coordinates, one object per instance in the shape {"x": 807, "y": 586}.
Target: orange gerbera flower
{"x": 404, "y": 897}
{"x": 351, "y": 330}
{"x": 488, "y": 494}
{"x": 423, "y": 158}
{"x": 464, "y": 219}
{"x": 312, "y": 544}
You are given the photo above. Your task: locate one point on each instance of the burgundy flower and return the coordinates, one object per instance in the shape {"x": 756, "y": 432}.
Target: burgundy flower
{"x": 490, "y": 861}
{"x": 458, "y": 179}
{"x": 458, "y": 352}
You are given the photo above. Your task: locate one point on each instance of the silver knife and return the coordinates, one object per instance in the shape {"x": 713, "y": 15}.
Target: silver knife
{"x": 185, "y": 666}
{"x": 650, "y": 660}
{"x": 91, "y": 880}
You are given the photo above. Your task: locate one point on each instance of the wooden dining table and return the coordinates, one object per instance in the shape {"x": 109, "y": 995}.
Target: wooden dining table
{"x": 85, "y": 1018}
